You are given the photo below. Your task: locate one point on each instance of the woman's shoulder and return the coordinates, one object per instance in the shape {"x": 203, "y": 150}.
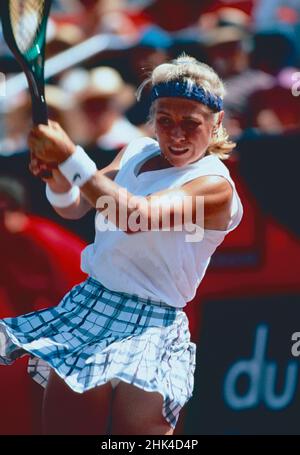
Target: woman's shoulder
{"x": 209, "y": 165}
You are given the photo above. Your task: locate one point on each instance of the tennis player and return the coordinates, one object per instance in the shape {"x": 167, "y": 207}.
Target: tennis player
{"x": 115, "y": 355}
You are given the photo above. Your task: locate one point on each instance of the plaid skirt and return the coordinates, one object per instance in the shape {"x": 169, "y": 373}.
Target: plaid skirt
{"x": 95, "y": 335}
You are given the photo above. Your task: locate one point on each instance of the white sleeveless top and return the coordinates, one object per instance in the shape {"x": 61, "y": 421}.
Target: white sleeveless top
{"x": 159, "y": 265}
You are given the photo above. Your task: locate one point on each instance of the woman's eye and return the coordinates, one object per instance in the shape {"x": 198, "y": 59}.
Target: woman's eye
{"x": 165, "y": 121}
{"x": 190, "y": 124}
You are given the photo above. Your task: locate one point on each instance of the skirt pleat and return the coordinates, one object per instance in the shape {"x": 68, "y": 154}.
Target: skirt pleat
{"x": 95, "y": 335}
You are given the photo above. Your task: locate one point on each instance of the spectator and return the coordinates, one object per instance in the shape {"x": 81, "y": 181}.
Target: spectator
{"x": 274, "y": 109}
{"x": 17, "y": 118}
{"x": 229, "y": 53}
{"x": 103, "y": 102}
{"x": 152, "y": 50}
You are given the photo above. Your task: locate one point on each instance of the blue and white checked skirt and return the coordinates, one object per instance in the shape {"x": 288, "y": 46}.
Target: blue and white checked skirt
{"x": 95, "y": 335}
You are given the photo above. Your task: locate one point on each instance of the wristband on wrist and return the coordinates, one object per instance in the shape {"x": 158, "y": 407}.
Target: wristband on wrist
{"x": 62, "y": 200}
{"x": 78, "y": 168}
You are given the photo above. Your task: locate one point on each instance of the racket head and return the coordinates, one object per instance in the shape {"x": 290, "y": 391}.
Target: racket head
{"x": 24, "y": 25}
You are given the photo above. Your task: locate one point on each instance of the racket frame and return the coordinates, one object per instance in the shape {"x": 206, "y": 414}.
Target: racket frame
{"x": 34, "y": 66}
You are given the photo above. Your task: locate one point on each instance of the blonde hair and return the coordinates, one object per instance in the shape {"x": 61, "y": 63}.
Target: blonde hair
{"x": 188, "y": 69}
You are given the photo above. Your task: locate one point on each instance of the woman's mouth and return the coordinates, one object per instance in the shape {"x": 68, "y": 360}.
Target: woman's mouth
{"x": 178, "y": 150}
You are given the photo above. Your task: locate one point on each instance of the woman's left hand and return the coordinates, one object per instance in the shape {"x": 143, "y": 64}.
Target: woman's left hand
{"x": 50, "y": 143}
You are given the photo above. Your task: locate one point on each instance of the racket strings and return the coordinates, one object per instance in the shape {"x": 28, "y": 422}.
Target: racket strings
{"x": 26, "y": 19}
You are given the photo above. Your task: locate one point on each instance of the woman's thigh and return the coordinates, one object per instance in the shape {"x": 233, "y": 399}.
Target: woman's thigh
{"x": 69, "y": 412}
{"x": 135, "y": 411}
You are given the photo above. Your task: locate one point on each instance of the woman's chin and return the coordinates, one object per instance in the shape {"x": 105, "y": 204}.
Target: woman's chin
{"x": 179, "y": 160}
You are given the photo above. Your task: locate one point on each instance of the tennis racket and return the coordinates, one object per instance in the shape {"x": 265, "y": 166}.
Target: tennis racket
{"x": 24, "y": 25}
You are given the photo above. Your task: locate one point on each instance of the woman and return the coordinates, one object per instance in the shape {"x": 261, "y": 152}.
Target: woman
{"x": 118, "y": 344}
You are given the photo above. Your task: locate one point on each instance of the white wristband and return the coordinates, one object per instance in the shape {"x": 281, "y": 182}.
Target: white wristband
{"x": 78, "y": 168}
{"x": 62, "y": 200}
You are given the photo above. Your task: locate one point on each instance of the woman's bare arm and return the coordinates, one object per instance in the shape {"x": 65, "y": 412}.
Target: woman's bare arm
{"x": 59, "y": 184}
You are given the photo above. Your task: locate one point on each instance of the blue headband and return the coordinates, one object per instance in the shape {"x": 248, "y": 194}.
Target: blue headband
{"x": 186, "y": 89}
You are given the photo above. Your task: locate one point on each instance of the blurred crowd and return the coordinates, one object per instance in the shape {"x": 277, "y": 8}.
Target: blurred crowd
{"x": 252, "y": 44}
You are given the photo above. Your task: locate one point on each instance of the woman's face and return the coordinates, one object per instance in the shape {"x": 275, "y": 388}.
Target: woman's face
{"x": 183, "y": 128}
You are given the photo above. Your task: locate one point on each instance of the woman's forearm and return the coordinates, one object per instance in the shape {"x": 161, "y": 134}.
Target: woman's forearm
{"x": 74, "y": 211}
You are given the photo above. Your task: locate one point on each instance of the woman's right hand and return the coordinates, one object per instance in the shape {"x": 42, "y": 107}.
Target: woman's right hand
{"x": 57, "y": 182}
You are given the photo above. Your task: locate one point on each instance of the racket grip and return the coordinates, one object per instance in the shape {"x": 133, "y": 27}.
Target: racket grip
{"x": 40, "y": 116}
{"x": 39, "y": 105}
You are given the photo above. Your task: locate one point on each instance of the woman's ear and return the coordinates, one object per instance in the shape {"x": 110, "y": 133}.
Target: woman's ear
{"x": 220, "y": 119}
{"x": 218, "y": 123}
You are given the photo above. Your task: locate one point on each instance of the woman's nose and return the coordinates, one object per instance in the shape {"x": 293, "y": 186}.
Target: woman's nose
{"x": 177, "y": 133}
